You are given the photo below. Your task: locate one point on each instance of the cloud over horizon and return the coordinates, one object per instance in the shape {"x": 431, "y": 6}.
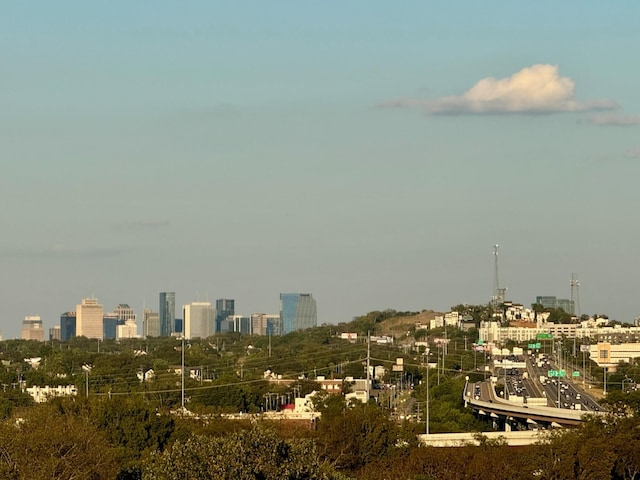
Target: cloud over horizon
{"x": 538, "y": 89}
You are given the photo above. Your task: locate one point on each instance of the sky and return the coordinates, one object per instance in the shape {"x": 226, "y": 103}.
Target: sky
{"x": 370, "y": 153}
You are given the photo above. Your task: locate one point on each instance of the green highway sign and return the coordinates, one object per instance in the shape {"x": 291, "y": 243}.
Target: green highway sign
{"x": 535, "y": 345}
{"x": 543, "y": 336}
{"x": 575, "y": 374}
{"x": 557, "y": 373}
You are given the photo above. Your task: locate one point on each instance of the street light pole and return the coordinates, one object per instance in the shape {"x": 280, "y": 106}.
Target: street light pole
{"x": 87, "y": 368}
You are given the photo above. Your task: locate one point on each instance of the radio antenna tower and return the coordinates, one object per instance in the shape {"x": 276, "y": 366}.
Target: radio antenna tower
{"x": 575, "y": 294}
{"x": 498, "y": 292}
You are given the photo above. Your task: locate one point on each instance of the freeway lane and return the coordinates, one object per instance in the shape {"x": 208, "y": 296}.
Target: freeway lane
{"x": 560, "y": 392}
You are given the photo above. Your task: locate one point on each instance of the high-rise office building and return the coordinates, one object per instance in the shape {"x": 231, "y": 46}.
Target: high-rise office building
{"x": 199, "y": 320}
{"x": 89, "y": 319}
{"x": 125, "y": 312}
{"x": 67, "y": 326}
{"x": 167, "y": 313}
{"x": 127, "y": 326}
{"x": 224, "y": 308}
{"x": 32, "y": 328}
{"x": 150, "y": 323}
{"x": 128, "y": 329}
{"x": 266, "y": 324}
{"x": 297, "y": 311}
{"x": 238, "y": 323}
{"x": 109, "y": 326}
{"x": 54, "y": 333}
{"x": 548, "y": 301}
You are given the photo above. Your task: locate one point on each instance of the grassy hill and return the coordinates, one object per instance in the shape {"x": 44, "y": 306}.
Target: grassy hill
{"x": 391, "y": 322}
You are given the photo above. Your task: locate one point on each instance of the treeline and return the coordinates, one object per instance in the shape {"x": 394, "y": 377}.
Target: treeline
{"x": 127, "y": 439}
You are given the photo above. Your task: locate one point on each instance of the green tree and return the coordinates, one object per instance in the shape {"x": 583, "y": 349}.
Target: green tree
{"x": 256, "y": 454}
{"x": 352, "y": 435}
{"x": 48, "y": 444}
{"x": 132, "y": 426}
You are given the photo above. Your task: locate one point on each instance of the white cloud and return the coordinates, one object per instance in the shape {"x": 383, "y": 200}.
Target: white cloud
{"x": 535, "y": 89}
{"x": 615, "y": 120}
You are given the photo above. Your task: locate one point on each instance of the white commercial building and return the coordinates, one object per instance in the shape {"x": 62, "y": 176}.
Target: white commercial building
{"x": 128, "y": 330}
{"x": 89, "y": 319}
{"x": 199, "y": 320}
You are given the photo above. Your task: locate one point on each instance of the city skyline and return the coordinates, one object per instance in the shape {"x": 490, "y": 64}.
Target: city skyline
{"x": 372, "y": 157}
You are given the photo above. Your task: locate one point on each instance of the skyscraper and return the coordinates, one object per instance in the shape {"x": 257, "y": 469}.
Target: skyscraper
{"x": 224, "y": 308}
{"x": 265, "y": 324}
{"x": 125, "y": 312}
{"x": 32, "y": 328}
{"x": 199, "y": 320}
{"x": 109, "y": 326}
{"x": 54, "y": 333}
{"x": 238, "y": 323}
{"x": 150, "y": 323}
{"x": 167, "y": 313}
{"x": 89, "y": 319}
{"x": 67, "y": 326}
{"x": 297, "y": 311}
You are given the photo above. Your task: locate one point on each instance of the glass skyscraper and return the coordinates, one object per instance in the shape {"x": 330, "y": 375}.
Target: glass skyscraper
{"x": 67, "y": 325}
{"x": 224, "y": 308}
{"x": 297, "y": 312}
{"x": 167, "y": 313}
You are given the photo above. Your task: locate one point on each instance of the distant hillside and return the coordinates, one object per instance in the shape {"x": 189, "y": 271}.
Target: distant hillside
{"x": 391, "y": 322}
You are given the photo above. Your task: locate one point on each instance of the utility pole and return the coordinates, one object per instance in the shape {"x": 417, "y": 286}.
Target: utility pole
{"x": 427, "y": 408}
{"x": 368, "y": 364}
{"x": 182, "y": 371}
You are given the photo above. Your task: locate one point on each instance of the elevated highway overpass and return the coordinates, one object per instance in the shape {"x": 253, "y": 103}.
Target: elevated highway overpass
{"x": 509, "y": 414}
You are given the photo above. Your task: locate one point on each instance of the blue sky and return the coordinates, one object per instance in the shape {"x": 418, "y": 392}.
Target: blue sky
{"x": 357, "y": 151}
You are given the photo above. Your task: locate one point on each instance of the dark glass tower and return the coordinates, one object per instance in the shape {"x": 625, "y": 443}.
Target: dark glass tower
{"x": 224, "y": 308}
{"x": 67, "y": 326}
{"x": 297, "y": 311}
{"x": 167, "y": 313}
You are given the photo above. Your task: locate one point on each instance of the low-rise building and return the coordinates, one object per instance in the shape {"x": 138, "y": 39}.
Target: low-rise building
{"x": 42, "y": 394}
{"x": 608, "y": 355}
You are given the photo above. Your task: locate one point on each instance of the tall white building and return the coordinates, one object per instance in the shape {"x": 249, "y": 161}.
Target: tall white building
{"x": 89, "y": 319}
{"x": 199, "y": 320}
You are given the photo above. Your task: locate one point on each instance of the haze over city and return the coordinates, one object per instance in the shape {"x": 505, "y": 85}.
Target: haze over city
{"x": 370, "y": 153}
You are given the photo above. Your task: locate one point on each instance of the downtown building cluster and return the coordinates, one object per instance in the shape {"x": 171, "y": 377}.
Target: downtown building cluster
{"x": 199, "y": 320}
